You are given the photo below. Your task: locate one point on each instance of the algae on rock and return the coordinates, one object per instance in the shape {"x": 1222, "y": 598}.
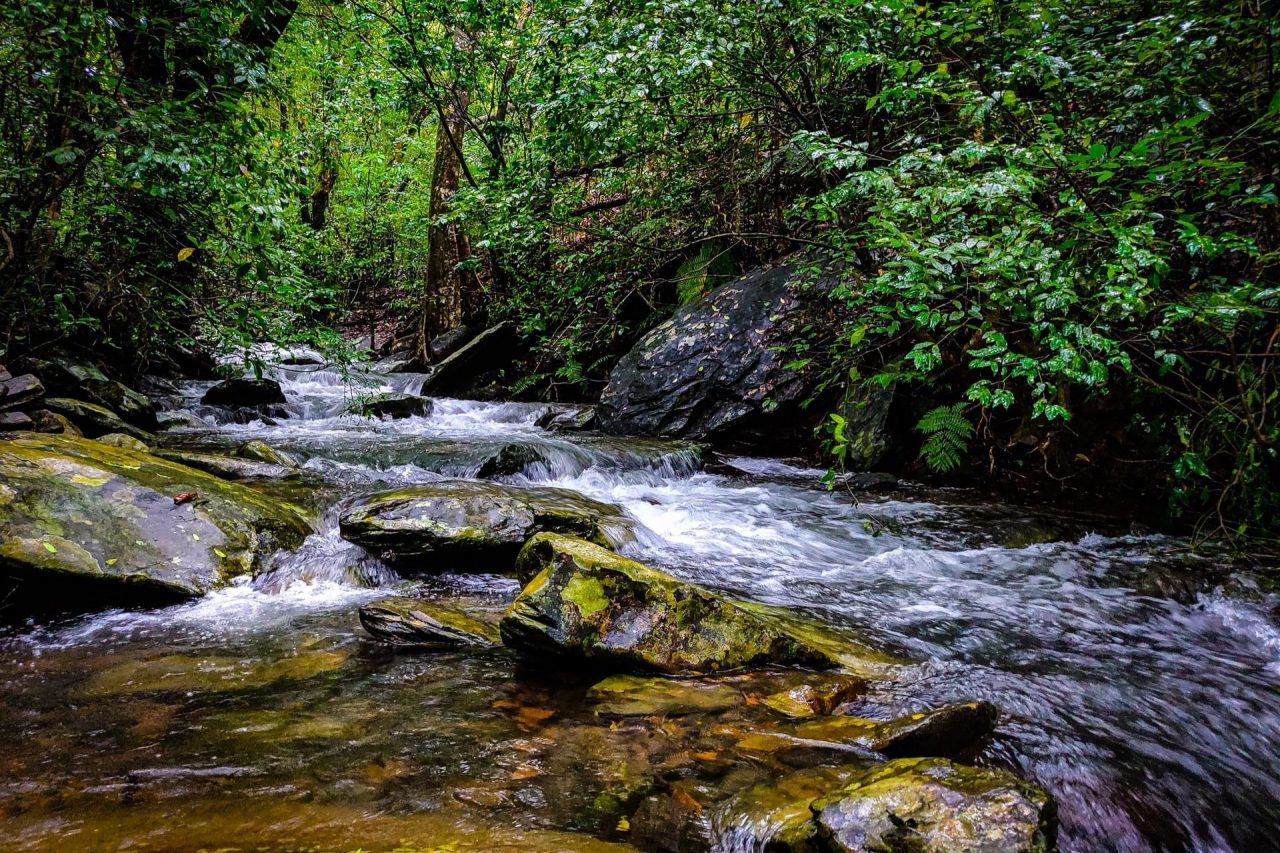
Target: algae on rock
{"x": 89, "y": 523}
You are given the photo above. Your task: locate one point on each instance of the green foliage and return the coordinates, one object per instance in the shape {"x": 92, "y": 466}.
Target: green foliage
{"x": 947, "y": 436}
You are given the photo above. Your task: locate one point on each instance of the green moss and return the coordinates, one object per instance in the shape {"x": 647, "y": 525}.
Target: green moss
{"x": 587, "y": 594}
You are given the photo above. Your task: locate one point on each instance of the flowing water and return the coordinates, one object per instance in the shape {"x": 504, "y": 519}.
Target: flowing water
{"x": 259, "y": 717}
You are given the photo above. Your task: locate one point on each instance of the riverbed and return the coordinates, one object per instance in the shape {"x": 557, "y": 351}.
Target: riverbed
{"x": 1138, "y": 681}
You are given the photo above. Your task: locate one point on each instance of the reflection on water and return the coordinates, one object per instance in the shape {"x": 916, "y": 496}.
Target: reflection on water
{"x": 259, "y": 717}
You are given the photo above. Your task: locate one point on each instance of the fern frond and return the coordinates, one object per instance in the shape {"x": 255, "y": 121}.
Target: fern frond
{"x": 948, "y": 433}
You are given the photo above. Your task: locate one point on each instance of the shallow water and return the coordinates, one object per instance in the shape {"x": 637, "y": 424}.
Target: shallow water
{"x": 260, "y": 717}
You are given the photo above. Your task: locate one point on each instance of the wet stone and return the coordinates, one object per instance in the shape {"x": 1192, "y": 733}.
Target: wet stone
{"x": 426, "y": 625}
{"x": 632, "y": 696}
{"x": 244, "y": 392}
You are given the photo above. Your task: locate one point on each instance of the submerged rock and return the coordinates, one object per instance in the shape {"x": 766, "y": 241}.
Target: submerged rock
{"x": 819, "y": 698}
{"x": 591, "y": 605}
{"x": 453, "y": 521}
{"x": 243, "y": 391}
{"x": 951, "y": 731}
{"x": 633, "y": 696}
{"x": 718, "y": 368}
{"x": 229, "y": 467}
{"x": 94, "y": 420}
{"x": 929, "y": 805}
{"x": 87, "y": 524}
{"x": 392, "y": 405}
{"x": 511, "y": 459}
{"x": 426, "y": 625}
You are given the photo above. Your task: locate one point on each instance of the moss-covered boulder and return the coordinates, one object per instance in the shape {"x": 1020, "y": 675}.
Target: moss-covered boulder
{"x": 461, "y": 523}
{"x": 930, "y": 805}
{"x": 259, "y": 451}
{"x": 426, "y": 625}
{"x": 87, "y": 524}
{"x": 94, "y": 420}
{"x": 66, "y": 375}
{"x": 119, "y": 439}
{"x": 591, "y": 605}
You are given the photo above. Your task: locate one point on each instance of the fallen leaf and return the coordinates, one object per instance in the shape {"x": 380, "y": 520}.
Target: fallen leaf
{"x": 531, "y": 717}
{"x": 185, "y": 497}
{"x": 709, "y": 755}
{"x": 624, "y": 825}
{"x": 525, "y": 771}
{"x": 684, "y": 799}
{"x": 50, "y": 548}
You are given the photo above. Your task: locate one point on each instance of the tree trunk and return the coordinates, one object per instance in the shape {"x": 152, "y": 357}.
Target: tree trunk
{"x": 447, "y": 287}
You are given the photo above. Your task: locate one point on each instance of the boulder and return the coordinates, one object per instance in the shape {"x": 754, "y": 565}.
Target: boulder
{"x": 119, "y": 439}
{"x": 228, "y": 467}
{"x": 511, "y": 459}
{"x": 717, "y": 369}
{"x": 392, "y": 405}
{"x": 591, "y": 606}
{"x": 94, "y": 420}
{"x": 259, "y": 451}
{"x": 47, "y": 421}
{"x": 929, "y": 805}
{"x": 20, "y": 392}
{"x": 243, "y": 391}
{"x": 425, "y": 625}
{"x": 67, "y": 375}
{"x": 178, "y": 420}
{"x": 490, "y": 350}
{"x": 15, "y": 421}
{"x": 451, "y": 523}
{"x": 397, "y": 362}
{"x": 90, "y": 525}
{"x": 445, "y": 345}
{"x": 568, "y": 418}
{"x": 865, "y": 409}
{"x": 5, "y": 375}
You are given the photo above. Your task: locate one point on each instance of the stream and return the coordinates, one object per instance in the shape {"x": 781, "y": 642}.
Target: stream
{"x": 262, "y": 717}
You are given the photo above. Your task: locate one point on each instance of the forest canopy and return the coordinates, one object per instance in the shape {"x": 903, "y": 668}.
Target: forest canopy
{"x": 1062, "y": 214}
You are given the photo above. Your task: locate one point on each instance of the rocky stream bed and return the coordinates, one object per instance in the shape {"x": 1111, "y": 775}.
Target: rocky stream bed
{"x": 334, "y": 616}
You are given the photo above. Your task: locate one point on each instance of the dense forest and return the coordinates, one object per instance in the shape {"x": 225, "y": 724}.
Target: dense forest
{"x": 1057, "y": 222}
{"x": 640, "y": 426}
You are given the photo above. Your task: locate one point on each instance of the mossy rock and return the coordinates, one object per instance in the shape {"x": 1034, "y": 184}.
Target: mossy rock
{"x": 591, "y": 605}
{"x": 426, "y": 625}
{"x": 119, "y": 439}
{"x": 229, "y": 467}
{"x": 208, "y": 674}
{"x": 817, "y": 698}
{"x": 776, "y": 815}
{"x": 635, "y": 696}
{"x": 259, "y": 451}
{"x": 930, "y": 805}
{"x": 951, "y": 731}
{"x": 70, "y": 376}
{"x": 88, "y": 524}
{"x": 94, "y": 420}
{"x": 461, "y": 523}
